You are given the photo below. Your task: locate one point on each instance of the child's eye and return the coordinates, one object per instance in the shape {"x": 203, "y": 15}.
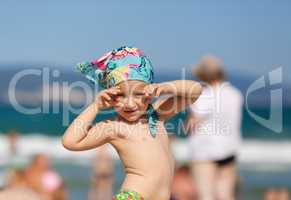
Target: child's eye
{"x": 139, "y": 94}
{"x": 120, "y": 95}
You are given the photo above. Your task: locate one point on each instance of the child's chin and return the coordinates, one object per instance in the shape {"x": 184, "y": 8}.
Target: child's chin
{"x": 131, "y": 118}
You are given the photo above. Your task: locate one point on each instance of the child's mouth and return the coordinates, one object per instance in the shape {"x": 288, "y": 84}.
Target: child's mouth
{"x": 129, "y": 111}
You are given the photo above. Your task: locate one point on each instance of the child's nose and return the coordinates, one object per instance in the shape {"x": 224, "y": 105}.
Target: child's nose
{"x": 129, "y": 103}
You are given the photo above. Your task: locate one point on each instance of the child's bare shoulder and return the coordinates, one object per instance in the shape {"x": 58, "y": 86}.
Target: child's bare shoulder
{"x": 107, "y": 122}
{"x": 112, "y": 126}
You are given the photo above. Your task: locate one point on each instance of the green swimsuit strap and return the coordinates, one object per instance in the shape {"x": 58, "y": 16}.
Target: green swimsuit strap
{"x": 152, "y": 120}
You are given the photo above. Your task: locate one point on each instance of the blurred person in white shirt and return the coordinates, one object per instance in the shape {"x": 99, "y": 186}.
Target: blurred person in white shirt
{"x": 215, "y": 123}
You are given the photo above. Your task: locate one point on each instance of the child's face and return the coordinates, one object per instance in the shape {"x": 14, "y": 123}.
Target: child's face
{"x": 131, "y": 102}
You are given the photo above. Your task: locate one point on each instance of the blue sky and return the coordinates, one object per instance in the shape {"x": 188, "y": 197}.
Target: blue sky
{"x": 252, "y": 37}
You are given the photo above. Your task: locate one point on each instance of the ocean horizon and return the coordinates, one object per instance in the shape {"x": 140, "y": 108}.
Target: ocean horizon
{"x": 31, "y": 89}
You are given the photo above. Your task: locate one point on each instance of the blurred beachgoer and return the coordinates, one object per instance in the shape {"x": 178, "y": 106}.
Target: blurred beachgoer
{"x": 13, "y": 137}
{"x": 19, "y": 194}
{"x": 103, "y": 175}
{"x": 215, "y": 122}
{"x": 16, "y": 178}
{"x": 44, "y": 180}
{"x": 277, "y": 194}
{"x": 17, "y": 188}
{"x": 183, "y": 187}
{"x": 16, "y": 160}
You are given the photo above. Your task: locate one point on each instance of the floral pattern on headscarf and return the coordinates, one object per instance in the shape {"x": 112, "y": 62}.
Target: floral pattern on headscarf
{"x": 121, "y": 64}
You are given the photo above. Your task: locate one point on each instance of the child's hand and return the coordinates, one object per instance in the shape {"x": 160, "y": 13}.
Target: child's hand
{"x": 107, "y": 98}
{"x": 155, "y": 90}
{"x": 150, "y": 91}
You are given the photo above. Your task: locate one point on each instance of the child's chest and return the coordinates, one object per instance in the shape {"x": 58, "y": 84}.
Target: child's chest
{"x": 140, "y": 131}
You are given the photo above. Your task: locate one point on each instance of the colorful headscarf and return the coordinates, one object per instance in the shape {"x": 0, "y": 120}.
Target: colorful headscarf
{"x": 124, "y": 63}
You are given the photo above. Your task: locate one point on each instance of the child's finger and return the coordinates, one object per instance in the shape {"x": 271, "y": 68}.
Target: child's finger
{"x": 114, "y": 91}
{"x": 149, "y": 90}
{"x": 154, "y": 88}
{"x": 106, "y": 96}
{"x": 146, "y": 92}
{"x": 118, "y": 104}
{"x": 158, "y": 92}
{"x": 107, "y": 104}
{"x": 111, "y": 92}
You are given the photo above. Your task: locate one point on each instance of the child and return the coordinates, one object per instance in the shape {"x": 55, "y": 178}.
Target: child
{"x": 138, "y": 133}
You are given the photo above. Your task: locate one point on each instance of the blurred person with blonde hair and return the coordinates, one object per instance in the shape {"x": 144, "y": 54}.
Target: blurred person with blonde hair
{"x": 44, "y": 180}
{"x": 214, "y": 122}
